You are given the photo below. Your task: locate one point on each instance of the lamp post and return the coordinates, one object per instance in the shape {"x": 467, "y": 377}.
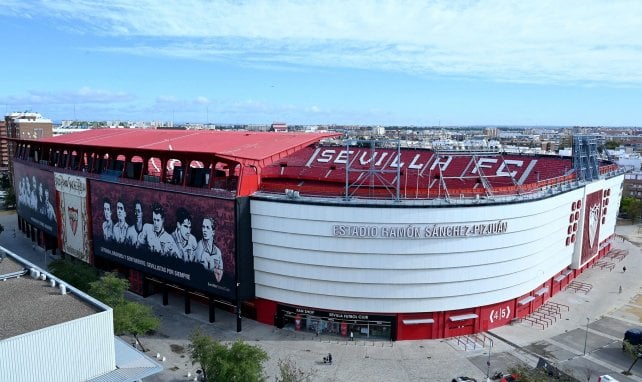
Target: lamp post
{"x": 586, "y": 336}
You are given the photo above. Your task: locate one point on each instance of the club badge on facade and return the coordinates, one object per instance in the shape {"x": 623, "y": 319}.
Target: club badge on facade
{"x": 594, "y": 220}
{"x": 72, "y": 214}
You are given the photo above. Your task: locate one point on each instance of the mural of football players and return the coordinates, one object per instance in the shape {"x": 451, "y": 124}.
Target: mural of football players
{"x": 25, "y": 192}
{"x": 41, "y": 200}
{"x": 185, "y": 242}
{"x": 108, "y": 224}
{"x": 120, "y": 228}
{"x": 33, "y": 194}
{"x": 49, "y": 210}
{"x": 34, "y": 201}
{"x": 135, "y": 229}
{"x": 207, "y": 253}
{"x": 154, "y": 236}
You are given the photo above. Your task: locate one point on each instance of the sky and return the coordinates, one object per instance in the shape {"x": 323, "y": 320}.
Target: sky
{"x": 410, "y": 63}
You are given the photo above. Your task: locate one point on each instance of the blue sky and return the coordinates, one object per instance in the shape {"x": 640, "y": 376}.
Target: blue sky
{"x": 423, "y": 63}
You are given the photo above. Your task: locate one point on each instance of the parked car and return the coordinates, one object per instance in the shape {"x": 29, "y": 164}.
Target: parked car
{"x": 633, "y": 336}
{"x": 606, "y": 378}
{"x": 510, "y": 378}
{"x": 464, "y": 379}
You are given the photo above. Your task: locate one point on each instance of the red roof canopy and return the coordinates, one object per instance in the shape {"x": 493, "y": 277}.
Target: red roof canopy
{"x": 240, "y": 146}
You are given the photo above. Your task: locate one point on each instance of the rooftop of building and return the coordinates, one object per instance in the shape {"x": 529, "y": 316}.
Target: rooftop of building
{"x": 235, "y": 145}
{"x": 25, "y": 117}
{"x": 30, "y": 303}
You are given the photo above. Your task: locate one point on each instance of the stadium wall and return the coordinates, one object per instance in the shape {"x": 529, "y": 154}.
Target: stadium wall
{"x": 426, "y": 264}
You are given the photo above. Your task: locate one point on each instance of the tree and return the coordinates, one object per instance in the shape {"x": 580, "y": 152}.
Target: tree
{"x": 129, "y": 317}
{"x": 222, "y": 363}
{"x": 612, "y": 144}
{"x": 632, "y": 207}
{"x": 202, "y": 349}
{"x": 289, "y": 372}
{"x": 77, "y": 273}
{"x": 634, "y": 351}
{"x": 109, "y": 289}
{"x": 135, "y": 319}
{"x": 10, "y": 198}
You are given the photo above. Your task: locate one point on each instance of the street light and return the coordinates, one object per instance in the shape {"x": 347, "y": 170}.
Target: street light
{"x": 586, "y": 336}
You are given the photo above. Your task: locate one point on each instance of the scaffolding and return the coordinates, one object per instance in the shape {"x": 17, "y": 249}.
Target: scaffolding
{"x": 585, "y": 157}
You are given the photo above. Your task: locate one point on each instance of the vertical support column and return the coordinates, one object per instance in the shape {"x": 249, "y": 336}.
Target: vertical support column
{"x": 165, "y": 295}
{"x": 238, "y": 302}
{"x": 163, "y": 169}
{"x": 186, "y": 168}
{"x": 144, "y": 168}
{"x": 188, "y": 307}
{"x": 212, "y": 310}
{"x": 210, "y": 181}
{"x": 238, "y": 318}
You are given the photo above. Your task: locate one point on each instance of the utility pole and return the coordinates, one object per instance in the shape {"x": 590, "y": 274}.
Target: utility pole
{"x": 586, "y": 336}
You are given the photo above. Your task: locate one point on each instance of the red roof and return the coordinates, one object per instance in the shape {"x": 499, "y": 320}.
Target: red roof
{"x": 241, "y": 146}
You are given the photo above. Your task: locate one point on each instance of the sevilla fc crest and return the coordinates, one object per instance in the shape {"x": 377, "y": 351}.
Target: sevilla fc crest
{"x": 593, "y": 223}
{"x": 72, "y": 214}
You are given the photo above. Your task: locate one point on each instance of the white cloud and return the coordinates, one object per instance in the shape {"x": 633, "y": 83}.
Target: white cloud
{"x": 84, "y": 95}
{"x": 540, "y": 41}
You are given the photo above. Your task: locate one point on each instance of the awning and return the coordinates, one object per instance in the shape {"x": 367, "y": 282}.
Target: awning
{"x": 525, "y": 300}
{"x": 131, "y": 365}
{"x": 541, "y": 291}
{"x": 463, "y": 317}
{"x": 418, "y": 321}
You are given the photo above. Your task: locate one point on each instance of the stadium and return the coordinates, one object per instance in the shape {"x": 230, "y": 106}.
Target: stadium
{"x": 313, "y": 232}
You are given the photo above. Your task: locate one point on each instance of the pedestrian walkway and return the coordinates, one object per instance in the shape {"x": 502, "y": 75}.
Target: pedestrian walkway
{"x": 569, "y": 342}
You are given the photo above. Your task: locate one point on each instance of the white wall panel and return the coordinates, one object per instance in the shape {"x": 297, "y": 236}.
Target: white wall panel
{"x": 615, "y": 185}
{"x": 72, "y": 351}
{"x": 298, "y": 260}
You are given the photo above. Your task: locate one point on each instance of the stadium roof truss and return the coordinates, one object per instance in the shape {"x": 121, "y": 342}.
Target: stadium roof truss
{"x": 373, "y": 177}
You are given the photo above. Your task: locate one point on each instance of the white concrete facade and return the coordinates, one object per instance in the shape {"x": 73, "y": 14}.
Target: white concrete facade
{"x": 302, "y": 258}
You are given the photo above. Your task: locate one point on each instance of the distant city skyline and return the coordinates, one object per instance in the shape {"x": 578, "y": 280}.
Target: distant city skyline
{"x": 438, "y": 63}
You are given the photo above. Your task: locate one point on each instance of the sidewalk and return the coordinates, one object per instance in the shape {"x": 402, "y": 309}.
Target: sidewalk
{"x": 609, "y": 313}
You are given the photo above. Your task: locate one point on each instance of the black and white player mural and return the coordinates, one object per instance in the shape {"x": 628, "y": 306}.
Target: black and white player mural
{"x": 36, "y": 197}
{"x": 183, "y": 238}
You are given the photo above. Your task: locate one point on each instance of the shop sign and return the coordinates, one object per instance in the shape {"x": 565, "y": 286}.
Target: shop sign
{"x": 331, "y": 316}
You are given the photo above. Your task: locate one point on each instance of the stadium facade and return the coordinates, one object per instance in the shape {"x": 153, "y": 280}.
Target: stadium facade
{"x": 298, "y": 231}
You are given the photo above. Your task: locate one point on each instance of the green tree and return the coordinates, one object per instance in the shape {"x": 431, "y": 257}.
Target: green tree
{"x": 10, "y": 198}
{"x": 289, "y": 372}
{"x": 202, "y": 350}
{"x": 129, "y": 317}
{"x": 222, "y": 363}
{"x": 632, "y": 207}
{"x": 634, "y": 351}
{"x": 109, "y": 289}
{"x": 134, "y": 319}
{"x": 76, "y": 273}
{"x": 612, "y": 144}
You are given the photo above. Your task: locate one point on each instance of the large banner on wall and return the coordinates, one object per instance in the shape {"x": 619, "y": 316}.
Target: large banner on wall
{"x": 35, "y": 197}
{"x": 186, "y": 239}
{"x": 73, "y": 212}
{"x": 592, "y": 220}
